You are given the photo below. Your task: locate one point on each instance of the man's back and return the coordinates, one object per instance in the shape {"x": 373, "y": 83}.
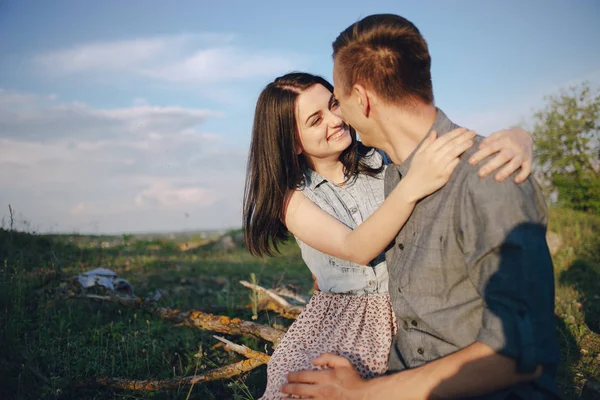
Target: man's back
{"x": 472, "y": 264}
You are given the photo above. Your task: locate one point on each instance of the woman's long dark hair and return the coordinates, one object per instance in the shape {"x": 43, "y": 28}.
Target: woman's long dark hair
{"x": 274, "y": 167}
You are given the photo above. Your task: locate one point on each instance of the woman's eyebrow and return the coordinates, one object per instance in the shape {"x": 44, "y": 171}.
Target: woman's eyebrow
{"x": 312, "y": 115}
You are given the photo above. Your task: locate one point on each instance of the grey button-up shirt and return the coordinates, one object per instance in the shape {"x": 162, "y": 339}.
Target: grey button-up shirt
{"x": 471, "y": 264}
{"x": 350, "y": 204}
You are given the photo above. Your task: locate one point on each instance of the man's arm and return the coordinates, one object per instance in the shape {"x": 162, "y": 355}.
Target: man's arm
{"x": 474, "y": 370}
{"x": 501, "y": 228}
{"x": 502, "y": 233}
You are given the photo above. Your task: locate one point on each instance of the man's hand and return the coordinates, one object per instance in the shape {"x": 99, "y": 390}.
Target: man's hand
{"x": 338, "y": 381}
{"x": 513, "y": 149}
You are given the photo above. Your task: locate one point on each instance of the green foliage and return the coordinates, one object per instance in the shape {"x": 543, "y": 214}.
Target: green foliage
{"x": 567, "y": 144}
{"x": 579, "y": 192}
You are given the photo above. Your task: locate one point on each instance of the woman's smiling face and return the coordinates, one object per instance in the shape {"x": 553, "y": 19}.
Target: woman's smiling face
{"x": 323, "y": 133}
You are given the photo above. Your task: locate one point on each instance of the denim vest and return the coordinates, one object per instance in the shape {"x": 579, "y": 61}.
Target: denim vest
{"x": 351, "y": 204}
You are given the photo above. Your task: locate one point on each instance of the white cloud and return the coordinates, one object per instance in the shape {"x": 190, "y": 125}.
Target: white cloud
{"x": 83, "y": 209}
{"x": 222, "y": 64}
{"x": 31, "y": 117}
{"x": 197, "y": 59}
{"x": 11, "y": 98}
{"x": 75, "y": 167}
{"x": 104, "y": 56}
{"x": 162, "y": 192}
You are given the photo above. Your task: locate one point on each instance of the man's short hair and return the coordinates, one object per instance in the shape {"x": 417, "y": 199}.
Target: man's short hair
{"x": 387, "y": 54}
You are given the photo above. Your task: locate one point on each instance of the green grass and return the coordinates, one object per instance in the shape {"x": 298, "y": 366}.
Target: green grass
{"x": 577, "y": 275}
{"x": 48, "y": 347}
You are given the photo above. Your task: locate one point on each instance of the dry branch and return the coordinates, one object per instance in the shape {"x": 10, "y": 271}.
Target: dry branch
{"x": 225, "y": 372}
{"x": 283, "y": 302}
{"x": 192, "y": 318}
{"x": 243, "y": 350}
{"x": 274, "y": 302}
{"x": 224, "y": 324}
{"x": 285, "y": 292}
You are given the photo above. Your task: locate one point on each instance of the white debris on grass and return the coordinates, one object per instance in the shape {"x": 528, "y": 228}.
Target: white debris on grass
{"x": 106, "y": 278}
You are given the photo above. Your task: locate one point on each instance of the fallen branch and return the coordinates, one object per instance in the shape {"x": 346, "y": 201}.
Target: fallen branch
{"x": 224, "y": 324}
{"x": 225, "y": 372}
{"x": 267, "y": 304}
{"x": 192, "y": 318}
{"x": 243, "y": 350}
{"x": 274, "y": 302}
{"x": 285, "y": 292}
{"x": 283, "y": 302}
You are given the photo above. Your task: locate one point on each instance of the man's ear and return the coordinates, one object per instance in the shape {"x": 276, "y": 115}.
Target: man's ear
{"x": 362, "y": 97}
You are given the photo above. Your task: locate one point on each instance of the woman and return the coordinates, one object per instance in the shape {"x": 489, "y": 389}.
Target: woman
{"x": 308, "y": 175}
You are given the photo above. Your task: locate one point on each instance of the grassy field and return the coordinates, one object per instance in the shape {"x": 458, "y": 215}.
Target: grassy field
{"x": 51, "y": 349}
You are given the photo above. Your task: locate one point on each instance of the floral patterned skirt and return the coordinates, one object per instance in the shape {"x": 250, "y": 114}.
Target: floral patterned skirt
{"x": 359, "y": 328}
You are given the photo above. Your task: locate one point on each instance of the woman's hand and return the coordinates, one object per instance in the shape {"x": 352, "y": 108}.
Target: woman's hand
{"x": 434, "y": 162}
{"x": 513, "y": 149}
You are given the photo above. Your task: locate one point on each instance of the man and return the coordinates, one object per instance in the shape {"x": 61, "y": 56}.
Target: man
{"x": 471, "y": 277}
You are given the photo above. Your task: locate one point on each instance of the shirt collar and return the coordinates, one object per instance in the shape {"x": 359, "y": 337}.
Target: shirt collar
{"x": 313, "y": 179}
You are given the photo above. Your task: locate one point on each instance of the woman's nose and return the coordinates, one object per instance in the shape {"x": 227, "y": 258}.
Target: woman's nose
{"x": 334, "y": 119}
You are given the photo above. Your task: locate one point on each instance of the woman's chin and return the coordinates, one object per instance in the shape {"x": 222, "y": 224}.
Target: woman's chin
{"x": 345, "y": 141}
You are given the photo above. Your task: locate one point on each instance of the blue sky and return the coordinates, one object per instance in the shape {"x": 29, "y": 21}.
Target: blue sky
{"x": 133, "y": 116}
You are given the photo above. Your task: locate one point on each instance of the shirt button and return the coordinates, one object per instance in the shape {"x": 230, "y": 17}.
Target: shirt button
{"x": 413, "y": 322}
{"x": 400, "y": 246}
{"x": 420, "y": 351}
{"x": 399, "y": 290}
{"x": 353, "y": 210}
{"x": 371, "y": 283}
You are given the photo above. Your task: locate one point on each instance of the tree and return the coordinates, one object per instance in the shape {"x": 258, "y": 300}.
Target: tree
{"x": 567, "y": 147}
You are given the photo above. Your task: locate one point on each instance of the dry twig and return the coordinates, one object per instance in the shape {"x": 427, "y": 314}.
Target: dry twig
{"x": 243, "y": 350}
{"x": 192, "y": 318}
{"x": 285, "y": 292}
{"x": 274, "y": 302}
{"x": 225, "y": 372}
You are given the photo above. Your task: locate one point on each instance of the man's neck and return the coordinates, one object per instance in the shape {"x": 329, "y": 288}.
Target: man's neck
{"x": 402, "y": 130}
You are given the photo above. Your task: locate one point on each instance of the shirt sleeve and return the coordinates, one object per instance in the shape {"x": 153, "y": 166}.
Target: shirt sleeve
{"x": 503, "y": 233}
